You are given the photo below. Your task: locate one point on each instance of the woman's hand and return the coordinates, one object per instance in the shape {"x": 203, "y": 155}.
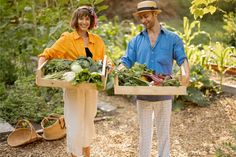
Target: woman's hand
{"x": 41, "y": 61}
{"x": 110, "y": 66}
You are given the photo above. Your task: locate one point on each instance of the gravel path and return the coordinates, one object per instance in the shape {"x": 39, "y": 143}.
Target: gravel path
{"x": 195, "y": 132}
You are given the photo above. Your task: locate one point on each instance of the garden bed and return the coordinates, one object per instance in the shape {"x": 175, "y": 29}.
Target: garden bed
{"x": 230, "y": 70}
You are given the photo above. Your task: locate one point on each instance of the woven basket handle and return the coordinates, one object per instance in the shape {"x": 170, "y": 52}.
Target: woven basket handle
{"x": 54, "y": 116}
{"x": 62, "y": 122}
{"x": 60, "y": 118}
{"x": 20, "y": 122}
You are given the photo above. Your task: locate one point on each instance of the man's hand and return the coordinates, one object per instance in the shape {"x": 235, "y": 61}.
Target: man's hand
{"x": 184, "y": 81}
{"x": 185, "y": 73}
{"x": 121, "y": 67}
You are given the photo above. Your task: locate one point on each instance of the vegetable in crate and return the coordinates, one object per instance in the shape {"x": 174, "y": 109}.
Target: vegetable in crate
{"x": 84, "y": 62}
{"x": 76, "y": 67}
{"x": 57, "y": 65}
{"x": 83, "y": 69}
{"x": 133, "y": 76}
{"x": 162, "y": 80}
{"x": 171, "y": 82}
{"x": 139, "y": 75}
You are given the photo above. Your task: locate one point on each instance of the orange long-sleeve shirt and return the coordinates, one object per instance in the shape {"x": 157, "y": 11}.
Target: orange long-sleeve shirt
{"x": 71, "y": 46}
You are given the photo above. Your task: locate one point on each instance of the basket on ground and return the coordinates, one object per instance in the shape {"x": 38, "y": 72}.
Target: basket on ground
{"x": 24, "y": 133}
{"x": 56, "y": 130}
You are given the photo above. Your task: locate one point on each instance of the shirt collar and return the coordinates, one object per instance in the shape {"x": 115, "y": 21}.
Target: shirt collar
{"x": 163, "y": 30}
{"x": 91, "y": 37}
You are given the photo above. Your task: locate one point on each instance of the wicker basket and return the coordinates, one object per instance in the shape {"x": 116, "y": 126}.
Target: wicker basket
{"x": 55, "y": 131}
{"x": 21, "y": 135}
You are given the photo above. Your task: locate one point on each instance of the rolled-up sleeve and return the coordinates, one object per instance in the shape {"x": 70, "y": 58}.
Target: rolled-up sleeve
{"x": 179, "y": 53}
{"x": 58, "y": 49}
{"x": 130, "y": 56}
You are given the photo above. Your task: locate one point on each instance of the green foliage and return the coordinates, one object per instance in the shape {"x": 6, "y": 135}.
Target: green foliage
{"x": 7, "y": 69}
{"x": 26, "y": 100}
{"x": 25, "y": 28}
{"x": 191, "y": 31}
{"x": 2, "y": 91}
{"x": 201, "y": 87}
{"x": 201, "y": 7}
{"x": 57, "y": 65}
{"x": 132, "y": 76}
{"x": 94, "y": 3}
{"x": 195, "y": 41}
{"x": 230, "y": 28}
{"x": 228, "y": 149}
{"x": 223, "y": 57}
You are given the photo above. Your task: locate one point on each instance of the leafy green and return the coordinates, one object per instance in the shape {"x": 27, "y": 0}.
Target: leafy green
{"x": 171, "y": 82}
{"x": 57, "y": 65}
{"x": 132, "y": 76}
{"x": 84, "y": 62}
{"x": 27, "y": 101}
{"x": 56, "y": 75}
{"x": 201, "y": 88}
{"x": 85, "y": 70}
{"x": 140, "y": 75}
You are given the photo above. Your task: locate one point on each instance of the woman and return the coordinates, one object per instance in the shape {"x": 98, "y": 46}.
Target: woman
{"x": 80, "y": 103}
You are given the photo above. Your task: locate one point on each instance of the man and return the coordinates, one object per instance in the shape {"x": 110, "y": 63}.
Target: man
{"x": 157, "y": 48}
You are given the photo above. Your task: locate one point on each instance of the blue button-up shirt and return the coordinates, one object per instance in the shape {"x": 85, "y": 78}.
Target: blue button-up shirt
{"x": 160, "y": 57}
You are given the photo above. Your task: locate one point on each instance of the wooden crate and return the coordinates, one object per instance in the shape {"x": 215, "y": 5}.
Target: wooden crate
{"x": 41, "y": 81}
{"x": 148, "y": 90}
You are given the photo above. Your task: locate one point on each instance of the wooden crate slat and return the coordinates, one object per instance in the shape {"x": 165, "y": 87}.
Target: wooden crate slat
{"x": 148, "y": 90}
{"x": 41, "y": 81}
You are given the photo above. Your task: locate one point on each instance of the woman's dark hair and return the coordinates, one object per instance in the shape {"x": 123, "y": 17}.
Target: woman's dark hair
{"x": 81, "y": 12}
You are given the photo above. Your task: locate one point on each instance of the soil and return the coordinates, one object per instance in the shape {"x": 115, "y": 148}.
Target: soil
{"x": 195, "y": 132}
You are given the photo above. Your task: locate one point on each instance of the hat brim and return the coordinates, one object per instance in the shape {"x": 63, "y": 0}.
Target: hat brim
{"x": 142, "y": 11}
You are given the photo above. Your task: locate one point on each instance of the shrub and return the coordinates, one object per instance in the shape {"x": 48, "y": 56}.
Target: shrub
{"x": 26, "y": 100}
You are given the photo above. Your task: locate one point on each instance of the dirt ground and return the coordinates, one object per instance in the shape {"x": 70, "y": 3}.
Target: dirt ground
{"x": 195, "y": 132}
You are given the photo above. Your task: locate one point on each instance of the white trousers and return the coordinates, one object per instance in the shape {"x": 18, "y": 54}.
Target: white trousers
{"x": 80, "y": 108}
{"x": 158, "y": 112}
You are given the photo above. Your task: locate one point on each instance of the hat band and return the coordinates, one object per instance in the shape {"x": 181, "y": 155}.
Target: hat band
{"x": 147, "y": 8}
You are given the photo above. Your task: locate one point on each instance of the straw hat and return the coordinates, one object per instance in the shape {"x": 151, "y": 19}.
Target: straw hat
{"x": 147, "y": 6}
